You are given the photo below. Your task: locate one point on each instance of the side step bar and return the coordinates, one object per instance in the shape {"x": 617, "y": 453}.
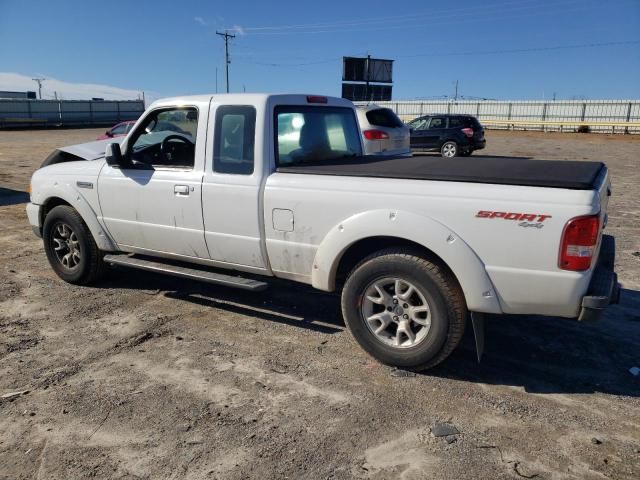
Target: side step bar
{"x": 186, "y": 272}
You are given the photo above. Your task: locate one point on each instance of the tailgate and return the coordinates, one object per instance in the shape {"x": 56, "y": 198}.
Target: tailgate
{"x": 604, "y": 193}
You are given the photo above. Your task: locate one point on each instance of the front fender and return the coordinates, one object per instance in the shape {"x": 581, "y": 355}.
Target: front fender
{"x": 478, "y": 290}
{"x": 65, "y": 190}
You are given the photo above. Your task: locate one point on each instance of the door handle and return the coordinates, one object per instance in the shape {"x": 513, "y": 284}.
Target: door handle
{"x": 181, "y": 189}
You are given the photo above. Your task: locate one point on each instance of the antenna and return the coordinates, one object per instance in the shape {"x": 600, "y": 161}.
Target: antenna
{"x": 226, "y": 36}
{"x": 39, "y": 82}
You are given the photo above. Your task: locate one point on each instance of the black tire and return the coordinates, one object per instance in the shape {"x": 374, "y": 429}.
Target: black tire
{"x": 466, "y": 153}
{"x": 449, "y": 149}
{"x": 89, "y": 267}
{"x": 445, "y": 299}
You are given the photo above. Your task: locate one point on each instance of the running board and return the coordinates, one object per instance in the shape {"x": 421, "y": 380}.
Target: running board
{"x": 186, "y": 272}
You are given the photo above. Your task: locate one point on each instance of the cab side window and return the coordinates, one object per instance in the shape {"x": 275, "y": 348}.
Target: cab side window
{"x": 166, "y": 138}
{"x": 234, "y": 139}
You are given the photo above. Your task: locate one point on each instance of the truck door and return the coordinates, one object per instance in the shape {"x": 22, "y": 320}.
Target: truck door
{"x": 153, "y": 203}
{"x": 231, "y": 202}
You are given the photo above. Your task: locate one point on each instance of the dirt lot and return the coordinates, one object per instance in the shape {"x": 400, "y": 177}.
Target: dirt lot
{"x": 149, "y": 377}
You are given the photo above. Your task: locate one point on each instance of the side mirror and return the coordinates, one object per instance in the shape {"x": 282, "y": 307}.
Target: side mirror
{"x": 113, "y": 155}
{"x": 108, "y": 133}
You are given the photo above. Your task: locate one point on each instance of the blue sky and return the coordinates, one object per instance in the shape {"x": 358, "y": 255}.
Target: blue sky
{"x": 170, "y": 47}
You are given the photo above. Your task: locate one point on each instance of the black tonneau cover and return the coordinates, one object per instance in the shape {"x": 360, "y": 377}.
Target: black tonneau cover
{"x": 497, "y": 170}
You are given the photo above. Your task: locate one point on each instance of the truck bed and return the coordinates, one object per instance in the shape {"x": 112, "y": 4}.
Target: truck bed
{"x": 497, "y": 170}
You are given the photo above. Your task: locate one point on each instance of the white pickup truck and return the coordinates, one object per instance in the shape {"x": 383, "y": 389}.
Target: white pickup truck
{"x": 277, "y": 186}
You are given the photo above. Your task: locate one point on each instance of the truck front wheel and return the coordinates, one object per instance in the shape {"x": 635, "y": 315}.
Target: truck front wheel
{"x": 404, "y": 310}
{"x": 70, "y": 247}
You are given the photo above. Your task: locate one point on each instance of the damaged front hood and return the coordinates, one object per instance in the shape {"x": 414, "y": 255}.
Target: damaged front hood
{"x": 82, "y": 151}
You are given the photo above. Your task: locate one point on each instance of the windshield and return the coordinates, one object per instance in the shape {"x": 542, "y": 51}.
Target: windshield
{"x": 315, "y": 134}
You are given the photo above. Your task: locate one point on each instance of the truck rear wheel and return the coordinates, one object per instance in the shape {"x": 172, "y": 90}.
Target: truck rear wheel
{"x": 70, "y": 247}
{"x": 404, "y": 310}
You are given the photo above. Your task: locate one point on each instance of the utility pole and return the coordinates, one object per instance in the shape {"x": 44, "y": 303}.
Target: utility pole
{"x": 226, "y": 36}
{"x": 368, "y": 94}
{"x": 39, "y": 82}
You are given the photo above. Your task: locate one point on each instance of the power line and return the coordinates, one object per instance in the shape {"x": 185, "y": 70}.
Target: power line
{"x": 465, "y": 53}
{"x": 384, "y": 19}
{"x": 274, "y": 64}
{"x": 456, "y": 14}
{"x": 521, "y": 50}
{"x": 226, "y": 36}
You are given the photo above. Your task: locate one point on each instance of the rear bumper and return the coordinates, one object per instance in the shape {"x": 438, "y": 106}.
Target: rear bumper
{"x": 604, "y": 289}
{"x": 480, "y": 144}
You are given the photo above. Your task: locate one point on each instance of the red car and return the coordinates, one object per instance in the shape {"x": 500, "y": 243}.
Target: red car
{"x": 119, "y": 130}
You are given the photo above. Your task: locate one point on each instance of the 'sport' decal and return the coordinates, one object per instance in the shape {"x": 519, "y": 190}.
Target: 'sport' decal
{"x": 528, "y": 220}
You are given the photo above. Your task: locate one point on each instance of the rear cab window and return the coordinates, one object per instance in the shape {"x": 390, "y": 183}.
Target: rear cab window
{"x": 305, "y": 134}
{"x": 384, "y": 117}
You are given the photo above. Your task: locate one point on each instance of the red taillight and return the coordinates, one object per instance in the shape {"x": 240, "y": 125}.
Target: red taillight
{"x": 375, "y": 135}
{"x": 316, "y": 99}
{"x": 468, "y": 132}
{"x": 579, "y": 240}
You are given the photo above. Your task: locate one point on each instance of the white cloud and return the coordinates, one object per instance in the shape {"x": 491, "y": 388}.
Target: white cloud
{"x": 201, "y": 21}
{"x": 68, "y": 90}
{"x": 238, "y": 29}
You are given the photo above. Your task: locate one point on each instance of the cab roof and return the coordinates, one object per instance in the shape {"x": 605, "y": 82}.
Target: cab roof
{"x": 253, "y": 98}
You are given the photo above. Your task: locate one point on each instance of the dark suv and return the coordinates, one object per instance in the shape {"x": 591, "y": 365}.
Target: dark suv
{"x": 451, "y": 135}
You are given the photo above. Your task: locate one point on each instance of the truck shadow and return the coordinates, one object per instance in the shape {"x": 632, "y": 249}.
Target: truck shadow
{"x": 283, "y": 302}
{"x": 537, "y": 354}
{"x": 554, "y": 355}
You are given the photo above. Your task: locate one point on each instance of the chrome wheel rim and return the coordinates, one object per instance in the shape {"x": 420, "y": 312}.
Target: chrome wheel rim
{"x": 66, "y": 246}
{"x": 449, "y": 150}
{"x": 396, "y": 312}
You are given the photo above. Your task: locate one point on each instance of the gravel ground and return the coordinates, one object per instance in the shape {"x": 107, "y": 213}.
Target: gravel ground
{"x": 145, "y": 376}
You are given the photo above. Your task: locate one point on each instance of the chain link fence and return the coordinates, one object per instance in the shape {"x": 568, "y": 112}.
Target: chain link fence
{"x": 617, "y": 116}
{"x": 67, "y": 113}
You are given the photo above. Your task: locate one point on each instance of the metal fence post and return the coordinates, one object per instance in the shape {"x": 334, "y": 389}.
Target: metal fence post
{"x": 544, "y": 114}
{"x": 626, "y": 129}
{"x": 584, "y": 110}
{"x": 509, "y": 114}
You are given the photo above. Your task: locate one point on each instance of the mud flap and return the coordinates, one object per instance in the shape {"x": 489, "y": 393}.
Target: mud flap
{"x": 477, "y": 320}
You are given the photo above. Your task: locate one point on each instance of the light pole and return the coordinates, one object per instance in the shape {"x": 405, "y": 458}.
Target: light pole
{"x": 39, "y": 82}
